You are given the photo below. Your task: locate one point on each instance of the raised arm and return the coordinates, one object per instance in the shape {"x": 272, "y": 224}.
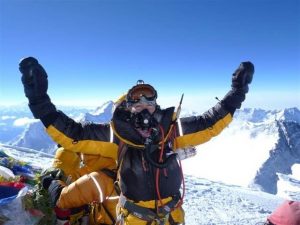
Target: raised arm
{"x": 89, "y": 139}
{"x": 196, "y": 130}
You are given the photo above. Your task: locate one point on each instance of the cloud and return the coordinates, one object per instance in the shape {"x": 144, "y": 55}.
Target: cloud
{"x": 296, "y": 170}
{"x": 23, "y": 121}
{"x": 7, "y": 117}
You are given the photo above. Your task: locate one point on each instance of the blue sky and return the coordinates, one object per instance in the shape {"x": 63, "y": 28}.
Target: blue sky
{"x": 96, "y": 50}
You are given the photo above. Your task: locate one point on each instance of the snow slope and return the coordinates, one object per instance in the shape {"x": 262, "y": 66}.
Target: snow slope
{"x": 212, "y": 203}
{"x": 256, "y": 147}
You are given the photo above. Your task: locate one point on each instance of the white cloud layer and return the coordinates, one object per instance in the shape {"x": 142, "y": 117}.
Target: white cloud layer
{"x": 24, "y": 121}
{"x": 7, "y": 117}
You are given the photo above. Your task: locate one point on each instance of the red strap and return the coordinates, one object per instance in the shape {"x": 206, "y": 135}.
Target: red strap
{"x": 62, "y": 213}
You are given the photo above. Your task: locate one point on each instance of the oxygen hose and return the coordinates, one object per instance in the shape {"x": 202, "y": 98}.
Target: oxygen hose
{"x": 148, "y": 150}
{"x": 160, "y": 165}
{"x": 160, "y": 161}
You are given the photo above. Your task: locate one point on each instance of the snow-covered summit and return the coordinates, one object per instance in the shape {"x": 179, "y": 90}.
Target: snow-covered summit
{"x": 101, "y": 114}
{"x": 35, "y": 137}
{"x": 291, "y": 114}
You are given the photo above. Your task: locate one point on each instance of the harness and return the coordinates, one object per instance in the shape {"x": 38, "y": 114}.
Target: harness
{"x": 160, "y": 217}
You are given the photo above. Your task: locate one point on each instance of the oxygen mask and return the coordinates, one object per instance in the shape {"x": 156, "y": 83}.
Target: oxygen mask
{"x": 143, "y": 120}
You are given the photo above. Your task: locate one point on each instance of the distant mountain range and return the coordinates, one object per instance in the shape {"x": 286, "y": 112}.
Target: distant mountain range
{"x": 18, "y": 128}
{"x": 262, "y": 144}
{"x": 285, "y": 154}
{"x": 285, "y": 125}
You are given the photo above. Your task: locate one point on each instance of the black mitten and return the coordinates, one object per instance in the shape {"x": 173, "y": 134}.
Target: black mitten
{"x": 243, "y": 76}
{"x": 35, "y": 82}
{"x": 46, "y": 181}
{"x": 51, "y": 180}
{"x": 50, "y": 174}
{"x": 239, "y": 87}
{"x": 34, "y": 79}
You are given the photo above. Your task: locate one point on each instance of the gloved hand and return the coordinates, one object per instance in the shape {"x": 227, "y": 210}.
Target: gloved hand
{"x": 241, "y": 78}
{"x": 50, "y": 174}
{"x": 51, "y": 181}
{"x": 35, "y": 82}
{"x": 46, "y": 181}
{"x": 34, "y": 79}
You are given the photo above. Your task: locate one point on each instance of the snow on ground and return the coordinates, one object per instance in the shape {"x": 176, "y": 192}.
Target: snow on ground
{"x": 213, "y": 203}
{"x": 296, "y": 170}
{"x": 288, "y": 186}
{"x": 35, "y": 158}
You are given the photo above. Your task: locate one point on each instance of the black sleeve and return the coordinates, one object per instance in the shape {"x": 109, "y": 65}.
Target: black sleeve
{"x": 205, "y": 121}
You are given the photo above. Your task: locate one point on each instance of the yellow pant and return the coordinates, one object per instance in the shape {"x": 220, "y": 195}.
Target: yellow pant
{"x": 89, "y": 186}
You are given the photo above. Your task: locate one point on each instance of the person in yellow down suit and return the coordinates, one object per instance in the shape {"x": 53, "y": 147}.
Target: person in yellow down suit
{"x": 87, "y": 182}
{"x": 142, "y": 137}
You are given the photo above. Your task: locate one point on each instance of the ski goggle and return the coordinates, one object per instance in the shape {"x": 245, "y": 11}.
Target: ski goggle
{"x": 141, "y": 92}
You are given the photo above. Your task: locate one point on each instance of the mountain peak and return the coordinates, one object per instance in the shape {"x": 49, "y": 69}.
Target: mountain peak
{"x": 257, "y": 115}
{"x": 105, "y": 107}
{"x": 292, "y": 114}
{"x": 101, "y": 114}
